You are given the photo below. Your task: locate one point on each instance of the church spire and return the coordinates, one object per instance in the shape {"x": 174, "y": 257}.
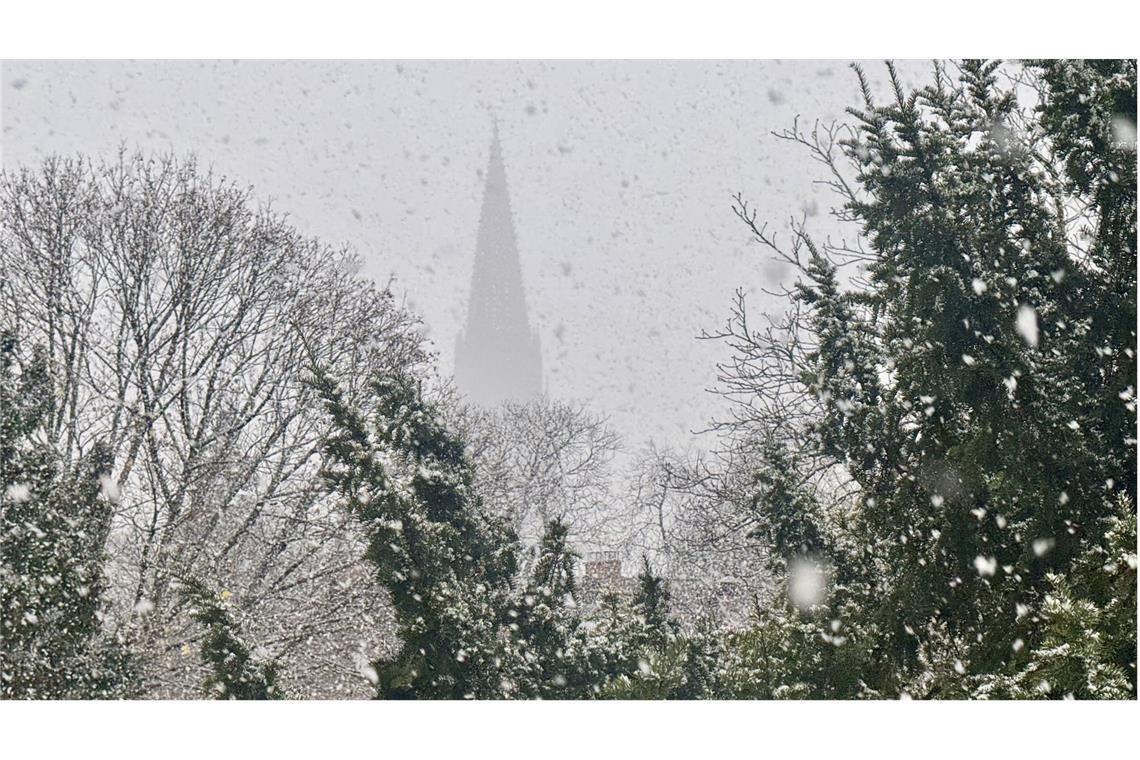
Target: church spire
{"x": 497, "y": 355}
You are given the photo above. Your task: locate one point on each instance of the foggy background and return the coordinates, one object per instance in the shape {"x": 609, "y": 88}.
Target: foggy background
{"x": 620, "y": 175}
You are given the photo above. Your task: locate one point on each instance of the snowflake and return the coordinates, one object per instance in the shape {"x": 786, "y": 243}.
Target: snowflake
{"x": 986, "y": 566}
{"x": 807, "y": 584}
{"x": 1043, "y": 546}
{"x": 108, "y": 489}
{"x": 1026, "y": 325}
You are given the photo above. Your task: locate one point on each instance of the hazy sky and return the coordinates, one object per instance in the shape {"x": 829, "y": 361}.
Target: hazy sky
{"x": 621, "y": 176}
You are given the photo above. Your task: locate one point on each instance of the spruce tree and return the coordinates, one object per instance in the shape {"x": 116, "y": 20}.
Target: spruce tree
{"x": 54, "y": 522}
{"x": 448, "y": 564}
{"x": 664, "y": 662}
{"x": 614, "y": 647}
{"x": 986, "y": 321}
{"x": 700, "y": 653}
{"x": 235, "y": 672}
{"x": 975, "y": 380}
{"x": 651, "y": 605}
{"x": 1087, "y": 623}
{"x": 547, "y": 630}
{"x": 786, "y": 516}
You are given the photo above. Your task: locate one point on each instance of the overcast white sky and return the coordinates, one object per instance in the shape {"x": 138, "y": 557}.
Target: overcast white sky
{"x": 621, "y": 176}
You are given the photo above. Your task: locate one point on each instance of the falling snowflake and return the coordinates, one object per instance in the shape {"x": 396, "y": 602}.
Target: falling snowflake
{"x": 1026, "y": 325}
{"x": 1010, "y": 384}
{"x": 370, "y": 674}
{"x": 986, "y": 566}
{"x": 108, "y": 489}
{"x": 1124, "y": 133}
{"x": 807, "y": 584}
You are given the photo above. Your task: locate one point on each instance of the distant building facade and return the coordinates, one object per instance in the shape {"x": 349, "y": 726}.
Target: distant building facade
{"x": 497, "y": 354}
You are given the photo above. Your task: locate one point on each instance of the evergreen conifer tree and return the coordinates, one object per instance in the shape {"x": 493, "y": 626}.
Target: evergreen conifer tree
{"x": 448, "y": 564}
{"x": 651, "y": 605}
{"x": 235, "y": 671}
{"x": 54, "y": 521}
{"x": 978, "y": 386}
{"x": 550, "y": 642}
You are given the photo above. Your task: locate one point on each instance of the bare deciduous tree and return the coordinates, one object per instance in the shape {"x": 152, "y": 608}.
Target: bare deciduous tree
{"x": 544, "y": 460}
{"x": 180, "y": 318}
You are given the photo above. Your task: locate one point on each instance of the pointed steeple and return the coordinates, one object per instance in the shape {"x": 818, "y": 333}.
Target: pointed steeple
{"x": 497, "y": 355}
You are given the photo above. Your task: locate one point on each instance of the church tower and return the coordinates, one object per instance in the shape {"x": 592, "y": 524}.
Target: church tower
{"x": 497, "y": 355}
